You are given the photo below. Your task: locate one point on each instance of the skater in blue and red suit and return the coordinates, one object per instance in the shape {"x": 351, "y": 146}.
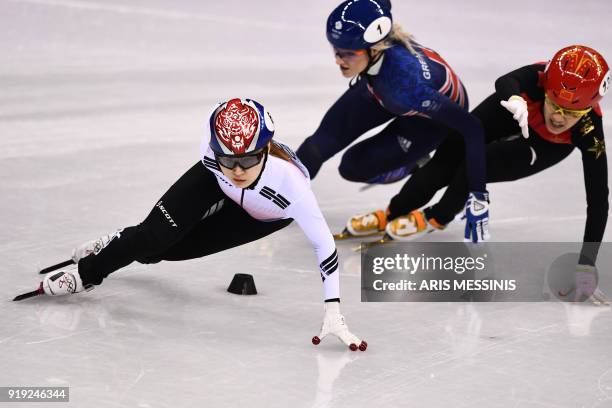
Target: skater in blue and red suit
{"x": 395, "y": 79}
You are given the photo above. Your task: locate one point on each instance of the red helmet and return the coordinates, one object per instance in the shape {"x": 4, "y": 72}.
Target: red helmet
{"x": 577, "y": 77}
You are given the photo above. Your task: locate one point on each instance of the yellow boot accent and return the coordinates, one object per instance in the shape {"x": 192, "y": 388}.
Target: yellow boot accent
{"x": 367, "y": 224}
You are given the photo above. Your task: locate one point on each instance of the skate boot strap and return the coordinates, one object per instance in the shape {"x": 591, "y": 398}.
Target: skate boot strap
{"x": 417, "y": 217}
{"x": 382, "y": 219}
{"x": 420, "y": 221}
{"x": 432, "y": 221}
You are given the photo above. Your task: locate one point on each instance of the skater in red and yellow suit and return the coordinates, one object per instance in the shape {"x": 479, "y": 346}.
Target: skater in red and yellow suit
{"x": 536, "y": 117}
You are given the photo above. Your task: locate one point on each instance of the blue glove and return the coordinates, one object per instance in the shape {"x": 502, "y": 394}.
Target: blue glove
{"x": 477, "y": 217}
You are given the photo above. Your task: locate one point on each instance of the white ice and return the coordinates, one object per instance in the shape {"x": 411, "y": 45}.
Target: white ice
{"x": 102, "y": 106}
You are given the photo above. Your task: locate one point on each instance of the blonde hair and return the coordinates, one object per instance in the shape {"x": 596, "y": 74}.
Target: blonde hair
{"x": 397, "y": 35}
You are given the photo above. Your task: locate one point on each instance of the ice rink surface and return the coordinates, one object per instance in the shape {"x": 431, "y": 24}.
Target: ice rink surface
{"x": 102, "y": 105}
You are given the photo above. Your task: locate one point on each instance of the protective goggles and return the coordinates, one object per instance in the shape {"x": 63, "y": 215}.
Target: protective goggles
{"x": 245, "y": 161}
{"x": 348, "y": 54}
{"x": 574, "y": 113}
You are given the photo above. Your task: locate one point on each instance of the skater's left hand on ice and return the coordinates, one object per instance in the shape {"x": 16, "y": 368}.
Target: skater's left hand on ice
{"x": 477, "y": 217}
{"x": 585, "y": 281}
{"x": 586, "y": 286}
{"x": 333, "y": 323}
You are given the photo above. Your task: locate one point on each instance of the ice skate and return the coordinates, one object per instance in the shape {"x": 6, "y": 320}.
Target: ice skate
{"x": 411, "y": 226}
{"x": 363, "y": 225}
{"x": 64, "y": 282}
{"x": 94, "y": 246}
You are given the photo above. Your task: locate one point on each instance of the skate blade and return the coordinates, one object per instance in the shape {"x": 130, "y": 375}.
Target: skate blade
{"x": 56, "y": 266}
{"x": 386, "y": 239}
{"x": 28, "y": 295}
{"x": 367, "y": 187}
{"x": 344, "y": 235}
{"x": 364, "y": 245}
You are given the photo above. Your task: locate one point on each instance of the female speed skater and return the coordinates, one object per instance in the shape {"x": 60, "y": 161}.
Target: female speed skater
{"x": 536, "y": 117}
{"x": 395, "y": 80}
{"x": 246, "y": 186}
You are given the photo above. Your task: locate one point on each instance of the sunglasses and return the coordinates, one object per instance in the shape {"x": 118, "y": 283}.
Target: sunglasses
{"x": 348, "y": 54}
{"x": 574, "y": 113}
{"x": 245, "y": 161}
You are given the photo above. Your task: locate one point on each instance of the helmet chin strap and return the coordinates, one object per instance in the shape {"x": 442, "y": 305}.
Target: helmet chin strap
{"x": 372, "y": 59}
{"x": 254, "y": 183}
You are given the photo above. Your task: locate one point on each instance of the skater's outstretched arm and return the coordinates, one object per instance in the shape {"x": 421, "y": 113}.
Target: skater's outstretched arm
{"x": 307, "y": 214}
{"x": 595, "y": 164}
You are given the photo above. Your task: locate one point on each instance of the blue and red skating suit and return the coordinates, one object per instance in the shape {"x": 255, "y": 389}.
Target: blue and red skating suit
{"x": 424, "y": 73}
{"x": 419, "y": 82}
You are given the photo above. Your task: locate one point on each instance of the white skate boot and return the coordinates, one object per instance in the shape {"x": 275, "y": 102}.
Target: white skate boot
{"x": 94, "y": 246}
{"x": 66, "y": 282}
